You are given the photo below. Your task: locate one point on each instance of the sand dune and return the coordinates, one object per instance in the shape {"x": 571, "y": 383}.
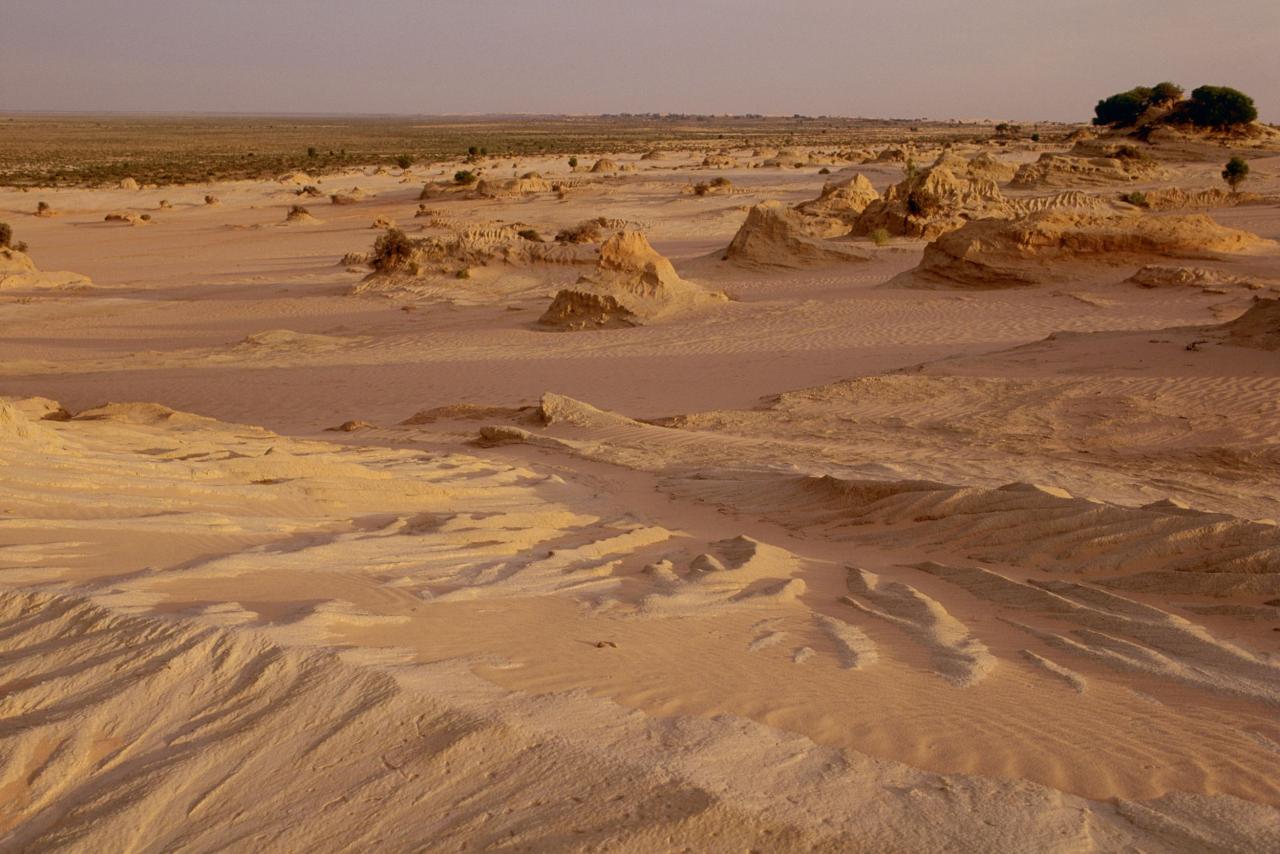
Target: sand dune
{"x": 311, "y": 544}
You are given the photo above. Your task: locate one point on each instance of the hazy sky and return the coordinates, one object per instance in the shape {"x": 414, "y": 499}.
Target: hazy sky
{"x": 1019, "y": 59}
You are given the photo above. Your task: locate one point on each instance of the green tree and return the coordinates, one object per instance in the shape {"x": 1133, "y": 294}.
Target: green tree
{"x": 404, "y": 161}
{"x": 1166, "y": 93}
{"x": 1220, "y": 107}
{"x": 1236, "y": 171}
{"x": 1123, "y": 109}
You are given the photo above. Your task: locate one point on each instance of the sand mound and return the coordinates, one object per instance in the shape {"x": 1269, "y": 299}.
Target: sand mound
{"x": 16, "y": 427}
{"x": 931, "y": 202}
{"x": 300, "y": 216}
{"x": 297, "y": 179}
{"x": 1165, "y": 276}
{"x": 149, "y": 414}
{"x": 491, "y": 188}
{"x": 985, "y": 165}
{"x": 891, "y": 155}
{"x": 128, "y": 218}
{"x": 128, "y": 184}
{"x": 604, "y": 164}
{"x": 1065, "y": 200}
{"x": 1007, "y": 253}
{"x": 577, "y": 310}
{"x": 287, "y": 340}
{"x": 19, "y": 272}
{"x": 1179, "y": 198}
{"x": 1076, "y": 169}
{"x": 840, "y": 203}
{"x": 719, "y": 161}
{"x": 773, "y": 235}
{"x": 1258, "y": 327}
{"x": 476, "y": 245}
{"x": 632, "y": 283}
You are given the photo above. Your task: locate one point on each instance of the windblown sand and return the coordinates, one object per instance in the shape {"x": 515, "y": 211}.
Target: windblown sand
{"x": 765, "y": 538}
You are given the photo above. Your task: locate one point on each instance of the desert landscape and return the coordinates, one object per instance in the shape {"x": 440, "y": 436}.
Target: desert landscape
{"x": 637, "y": 483}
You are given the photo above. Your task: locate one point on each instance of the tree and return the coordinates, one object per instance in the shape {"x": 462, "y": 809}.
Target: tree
{"x": 1123, "y": 109}
{"x": 311, "y": 151}
{"x": 573, "y": 163}
{"x": 1220, "y": 107}
{"x": 6, "y": 235}
{"x": 1235, "y": 173}
{"x": 404, "y": 161}
{"x": 1165, "y": 94}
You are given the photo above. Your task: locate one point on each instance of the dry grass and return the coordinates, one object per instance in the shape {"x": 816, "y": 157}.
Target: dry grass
{"x": 79, "y": 150}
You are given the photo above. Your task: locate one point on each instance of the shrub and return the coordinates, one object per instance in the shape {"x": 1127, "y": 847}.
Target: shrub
{"x": 41, "y": 207}
{"x": 311, "y": 152}
{"x": 573, "y": 163}
{"x": 880, "y": 236}
{"x": 1219, "y": 107}
{"x": 473, "y": 151}
{"x": 701, "y": 188}
{"x": 1035, "y": 137}
{"x": 6, "y": 235}
{"x": 392, "y": 251}
{"x": 464, "y": 177}
{"x": 464, "y": 273}
{"x": 1235, "y": 172}
{"x": 298, "y": 210}
{"x": 824, "y": 171}
{"x": 1135, "y": 198}
{"x": 531, "y": 234}
{"x": 404, "y": 161}
{"x": 1128, "y": 152}
{"x": 720, "y": 181}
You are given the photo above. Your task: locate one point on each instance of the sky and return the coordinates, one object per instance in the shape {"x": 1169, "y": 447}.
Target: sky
{"x": 940, "y": 59}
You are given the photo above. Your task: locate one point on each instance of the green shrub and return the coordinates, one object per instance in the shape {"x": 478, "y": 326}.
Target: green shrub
{"x": 1135, "y": 198}
{"x": 404, "y": 161}
{"x": 573, "y": 163}
{"x": 1035, "y": 137}
{"x": 6, "y": 235}
{"x": 1235, "y": 172}
{"x": 464, "y": 273}
{"x": 311, "y": 152}
{"x": 701, "y": 188}
{"x": 1219, "y": 107}
{"x": 880, "y": 236}
{"x": 464, "y": 176}
{"x": 531, "y": 234}
{"x": 392, "y": 251}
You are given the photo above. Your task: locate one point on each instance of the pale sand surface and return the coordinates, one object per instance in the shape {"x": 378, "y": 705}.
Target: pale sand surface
{"x": 878, "y": 568}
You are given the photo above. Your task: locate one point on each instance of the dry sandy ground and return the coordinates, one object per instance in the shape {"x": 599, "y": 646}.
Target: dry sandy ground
{"x": 825, "y": 566}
